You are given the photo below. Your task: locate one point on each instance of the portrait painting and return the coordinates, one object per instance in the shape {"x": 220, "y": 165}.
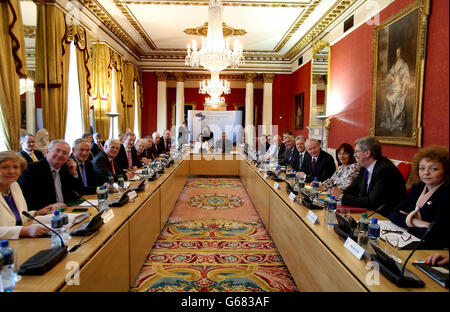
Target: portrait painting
{"x": 398, "y": 58}
{"x": 298, "y": 111}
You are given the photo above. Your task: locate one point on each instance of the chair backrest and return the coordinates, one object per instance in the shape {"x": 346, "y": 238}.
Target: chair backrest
{"x": 405, "y": 170}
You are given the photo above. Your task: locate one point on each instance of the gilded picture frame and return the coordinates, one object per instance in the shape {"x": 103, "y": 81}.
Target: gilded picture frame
{"x": 399, "y": 46}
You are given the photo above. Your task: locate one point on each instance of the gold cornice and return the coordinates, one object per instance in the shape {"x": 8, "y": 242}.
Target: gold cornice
{"x": 203, "y": 30}
{"x": 273, "y": 4}
{"x": 133, "y": 21}
{"x": 268, "y": 78}
{"x": 29, "y": 31}
{"x": 318, "y": 45}
{"x": 250, "y": 77}
{"x": 161, "y": 76}
{"x": 179, "y": 76}
{"x": 338, "y": 9}
{"x": 111, "y": 24}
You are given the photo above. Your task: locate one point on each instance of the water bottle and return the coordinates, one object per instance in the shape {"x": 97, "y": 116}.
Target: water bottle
{"x": 145, "y": 171}
{"x": 326, "y": 202}
{"x": 315, "y": 185}
{"x": 363, "y": 228}
{"x": 121, "y": 183}
{"x": 111, "y": 184}
{"x": 57, "y": 226}
{"x": 66, "y": 236}
{"x": 102, "y": 198}
{"x": 1, "y": 265}
{"x": 374, "y": 233}
{"x": 331, "y": 218}
{"x": 301, "y": 184}
{"x": 8, "y": 274}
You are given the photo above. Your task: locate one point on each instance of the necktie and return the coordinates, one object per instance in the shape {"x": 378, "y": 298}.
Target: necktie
{"x": 314, "y": 165}
{"x": 223, "y": 146}
{"x": 33, "y": 157}
{"x": 112, "y": 167}
{"x": 301, "y": 161}
{"x": 83, "y": 174}
{"x": 130, "y": 161}
{"x": 57, "y": 182}
{"x": 366, "y": 180}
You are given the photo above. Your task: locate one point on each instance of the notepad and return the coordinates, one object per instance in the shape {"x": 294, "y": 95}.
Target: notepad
{"x": 437, "y": 273}
{"x": 74, "y": 218}
{"x": 405, "y": 240}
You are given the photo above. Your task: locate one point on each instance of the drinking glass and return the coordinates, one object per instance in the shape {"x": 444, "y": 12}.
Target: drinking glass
{"x": 391, "y": 245}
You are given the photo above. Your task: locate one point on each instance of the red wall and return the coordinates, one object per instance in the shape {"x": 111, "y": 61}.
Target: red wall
{"x": 351, "y": 83}
{"x": 150, "y": 89}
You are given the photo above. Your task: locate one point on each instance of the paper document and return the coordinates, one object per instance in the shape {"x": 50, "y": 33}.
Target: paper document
{"x": 404, "y": 238}
{"x": 74, "y": 218}
{"x": 86, "y": 204}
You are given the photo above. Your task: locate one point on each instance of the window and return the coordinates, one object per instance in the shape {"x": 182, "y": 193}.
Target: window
{"x": 74, "y": 122}
{"x": 113, "y": 109}
{"x": 2, "y": 137}
{"x": 136, "y": 127}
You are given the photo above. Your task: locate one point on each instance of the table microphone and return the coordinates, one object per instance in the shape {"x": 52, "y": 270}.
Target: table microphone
{"x": 44, "y": 260}
{"x": 76, "y": 194}
{"x": 377, "y": 210}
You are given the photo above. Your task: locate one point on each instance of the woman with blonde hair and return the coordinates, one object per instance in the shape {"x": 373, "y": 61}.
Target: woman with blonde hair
{"x": 427, "y": 201}
{"x": 12, "y": 202}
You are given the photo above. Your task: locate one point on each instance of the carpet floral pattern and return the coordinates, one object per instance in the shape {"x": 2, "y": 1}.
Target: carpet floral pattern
{"x": 214, "y": 254}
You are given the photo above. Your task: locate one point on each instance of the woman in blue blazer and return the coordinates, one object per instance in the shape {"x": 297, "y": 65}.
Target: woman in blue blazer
{"x": 427, "y": 201}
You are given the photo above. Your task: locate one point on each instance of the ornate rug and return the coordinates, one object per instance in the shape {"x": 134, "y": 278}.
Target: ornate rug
{"x": 214, "y": 241}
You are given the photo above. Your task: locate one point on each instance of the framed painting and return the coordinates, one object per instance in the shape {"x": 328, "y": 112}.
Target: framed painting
{"x": 299, "y": 103}
{"x": 399, "y": 46}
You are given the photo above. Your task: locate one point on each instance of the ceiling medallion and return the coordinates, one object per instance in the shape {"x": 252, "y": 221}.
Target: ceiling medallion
{"x": 203, "y": 30}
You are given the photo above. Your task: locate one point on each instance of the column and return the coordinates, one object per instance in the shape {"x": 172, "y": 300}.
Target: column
{"x": 31, "y": 112}
{"x": 161, "y": 109}
{"x": 179, "y": 112}
{"x": 249, "y": 127}
{"x": 267, "y": 103}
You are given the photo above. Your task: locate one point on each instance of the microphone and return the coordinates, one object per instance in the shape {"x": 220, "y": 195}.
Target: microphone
{"x": 44, "y": 260}
{"x": 76, "y": 194}
{"x": 417, "y": 246}
{"x": 321, "y": 192}
{"x": 377, "y": 210}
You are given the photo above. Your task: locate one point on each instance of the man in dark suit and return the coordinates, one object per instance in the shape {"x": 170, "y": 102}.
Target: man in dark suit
{"x": 28, "y": 143}
{"x": 165, "y": 142}
{"x": 127, "y": 157}
{"x": 379, "y": 181}
{"x": 317, "y": 163}
{"x": 282, "y": 148}
{"x": 86, "y": 177}
{"x": 156, "y": 148}
{"x": 97, "y": 144}
{"x": 299, "y": 158}
{"x": 105, "y": 163}
{"x": 88, "y": 136}
{"x": 48, "y": 181}
{"x": 224, "y": 145}
{"x": 290, "y": 151}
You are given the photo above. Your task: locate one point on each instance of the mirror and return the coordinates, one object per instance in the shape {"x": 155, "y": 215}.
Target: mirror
{"x": 319, "y": 82}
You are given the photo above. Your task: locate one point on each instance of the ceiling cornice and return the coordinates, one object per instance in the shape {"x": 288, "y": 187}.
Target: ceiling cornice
{"x": 275, "y": 4}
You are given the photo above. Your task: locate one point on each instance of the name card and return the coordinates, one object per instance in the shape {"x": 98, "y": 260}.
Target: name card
{"x": 292, "y": 196}
{"x": 265, "y": 175}
{"x": 259, "y": 170}
{"x": 132, "y": 194}
{"x": 276, "y": 185}
{"x": 354, "y": 248}
{"x": 312, "y": 217}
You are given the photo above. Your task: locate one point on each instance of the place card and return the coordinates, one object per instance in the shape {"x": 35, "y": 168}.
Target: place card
{"x": 354, "y": 248}
{"x": 276, "y": 185}
{"x": 292, "y": 197}
{"x": 265, "y": 175}
{"x": 132, "y": 194}
{"x": 312, "y": 217}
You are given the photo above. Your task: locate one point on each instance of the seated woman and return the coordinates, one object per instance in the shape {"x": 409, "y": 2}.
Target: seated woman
{"x": 427, "y": 201}
{"x": 12, "y": 202}
{"x": 347, "y": 171}
{"x": 201, "y": 146}
{"x": 140, "y": 147}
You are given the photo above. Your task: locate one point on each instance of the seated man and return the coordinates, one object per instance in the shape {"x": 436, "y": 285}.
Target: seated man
{"x": 379, "y": 181}
{"x": 282, "y": 147}
{"x": 127, "y": 157}
{"x": 97, "y": 144}
{"x": 297, "y": 161}
{"x": 28, "y": 143}
{"x": 290, "y": 151}
{"x": 105, "y": 163}
{"x": 272, "y": 152}
{"x": 87, "y": 179}
{"x": 317, "y": 163}
{"x": 141, "y": 149}
{"x": 156, "y": 149}
{"x": 88, "y": 136}
{"x": 224, "y": 145}
{"x": 49, "y": 180}
{"x": 165, "y": 142}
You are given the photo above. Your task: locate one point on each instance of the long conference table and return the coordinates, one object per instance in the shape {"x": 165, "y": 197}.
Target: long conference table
{"x": 112, "y": 259}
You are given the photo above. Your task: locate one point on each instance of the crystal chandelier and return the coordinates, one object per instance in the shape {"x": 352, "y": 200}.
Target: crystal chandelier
{"x": 215, "y": 54}
{"x": 215, "y": 101}
{"x": 214, "y": 87}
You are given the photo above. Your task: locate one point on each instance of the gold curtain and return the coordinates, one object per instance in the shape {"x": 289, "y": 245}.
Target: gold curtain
{"x": 117, "y": 64}
{"x": 128, "y": 95}
{"x": 52, "y": 68}
{"x": 13, "y": 67}
{"x": 81, "y": 37}
{"x": 138, "y": 79}
{"x": 101, "y": 88}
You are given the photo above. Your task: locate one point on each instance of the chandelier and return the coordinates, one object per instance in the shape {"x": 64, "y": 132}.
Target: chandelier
{"x": 215, "y": 102}
{"x": 215, "y": 54}
{"x": 214, "y": 87}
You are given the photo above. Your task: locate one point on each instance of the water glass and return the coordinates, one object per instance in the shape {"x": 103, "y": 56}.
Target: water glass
{"x": 391, "y": 245}
{"x": 345, "y": 212}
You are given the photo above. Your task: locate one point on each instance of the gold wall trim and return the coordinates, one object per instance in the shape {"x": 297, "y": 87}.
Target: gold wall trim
{"x": 29, "y": 31}
{"x": 337, "y": 10}
{"x": 203, "y": 30}
{"x": 273, "y": 4}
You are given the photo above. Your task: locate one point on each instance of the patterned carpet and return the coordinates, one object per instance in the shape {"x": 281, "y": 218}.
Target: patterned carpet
{"x": 214, "y": 241}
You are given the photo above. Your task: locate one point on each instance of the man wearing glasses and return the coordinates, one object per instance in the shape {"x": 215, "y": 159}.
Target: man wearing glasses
{"x": 379, "y": 181}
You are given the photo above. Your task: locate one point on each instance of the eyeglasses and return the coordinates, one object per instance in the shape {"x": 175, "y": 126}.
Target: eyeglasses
{"x": 404, "y": 235}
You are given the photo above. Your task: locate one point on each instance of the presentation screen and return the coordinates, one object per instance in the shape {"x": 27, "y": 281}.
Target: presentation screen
{"x": 218, "y": 121}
